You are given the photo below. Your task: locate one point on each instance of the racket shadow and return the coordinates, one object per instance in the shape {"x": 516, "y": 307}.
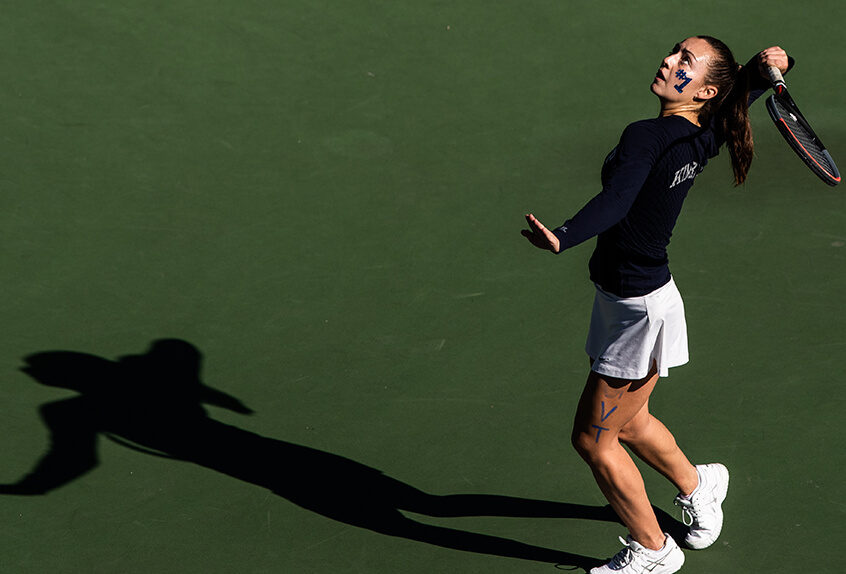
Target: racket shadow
{"x": 152, "y": 403}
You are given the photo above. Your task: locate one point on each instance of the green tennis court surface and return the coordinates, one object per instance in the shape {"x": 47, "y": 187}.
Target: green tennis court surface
{"x": 323, "y": 200}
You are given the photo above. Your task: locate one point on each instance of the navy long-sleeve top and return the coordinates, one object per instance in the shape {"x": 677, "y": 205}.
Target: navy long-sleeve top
{"x": 645, "y": 180}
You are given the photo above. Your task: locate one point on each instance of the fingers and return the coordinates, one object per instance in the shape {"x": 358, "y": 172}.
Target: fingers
{"x": 537, "y": 227}
{"x": 539, "y": 235}
{"x": 539, "y": 242}
{"x": 534, "y": 223}
{"x": 773, "y": 56}
{"x": 535, "y": 233}
{"x": 534, "y": 239}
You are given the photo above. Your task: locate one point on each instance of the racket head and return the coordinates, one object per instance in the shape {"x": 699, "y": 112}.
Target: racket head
{"x": 801, "y": 137}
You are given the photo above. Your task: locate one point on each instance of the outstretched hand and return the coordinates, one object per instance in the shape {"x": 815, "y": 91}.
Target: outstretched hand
{"x": 540, "y": 236}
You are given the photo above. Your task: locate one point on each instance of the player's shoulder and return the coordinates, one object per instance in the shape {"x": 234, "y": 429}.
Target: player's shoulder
{"x": 660, "y": 126}
{"x": 657, "y": 132}
{"x": 649, "y": 134}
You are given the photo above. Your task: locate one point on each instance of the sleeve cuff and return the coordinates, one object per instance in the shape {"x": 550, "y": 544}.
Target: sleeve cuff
{"x": 561, "y": 234}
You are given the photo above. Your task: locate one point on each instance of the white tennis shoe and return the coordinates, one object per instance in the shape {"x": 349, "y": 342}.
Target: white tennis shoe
{"x": 702, "y": 511}
{"x": 636, "y": 559}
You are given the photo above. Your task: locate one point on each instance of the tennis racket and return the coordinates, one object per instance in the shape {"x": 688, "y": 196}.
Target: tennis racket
{"x": 798, "y": 133}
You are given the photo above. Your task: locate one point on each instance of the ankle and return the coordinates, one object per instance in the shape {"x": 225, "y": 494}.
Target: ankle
{"x": 690, "y": 483}
{"x": 654, "y": 543}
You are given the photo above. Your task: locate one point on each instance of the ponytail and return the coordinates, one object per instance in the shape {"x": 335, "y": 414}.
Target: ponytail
{"x": 733, "y": 122}
{"x": 728, "y": 111}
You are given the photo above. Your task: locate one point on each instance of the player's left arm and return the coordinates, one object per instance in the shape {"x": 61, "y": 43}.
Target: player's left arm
{"x": 756, "y": 68}
{"x": 540, "y": 236}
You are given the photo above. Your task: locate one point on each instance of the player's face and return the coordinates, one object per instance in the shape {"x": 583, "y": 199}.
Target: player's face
{"x": 681, "y": 76}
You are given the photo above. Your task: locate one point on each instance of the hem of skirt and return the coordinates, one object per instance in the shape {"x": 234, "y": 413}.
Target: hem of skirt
{"x": 632, "y": 375}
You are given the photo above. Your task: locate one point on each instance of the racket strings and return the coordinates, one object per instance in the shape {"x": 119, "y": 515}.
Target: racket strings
{"x": 806, "y": 138}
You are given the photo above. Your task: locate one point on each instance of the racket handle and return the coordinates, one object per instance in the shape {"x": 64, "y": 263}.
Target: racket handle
{"x": 775, "y": 76}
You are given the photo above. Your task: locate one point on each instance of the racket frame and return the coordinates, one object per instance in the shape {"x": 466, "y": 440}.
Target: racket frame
{"x": 829, "y": 174}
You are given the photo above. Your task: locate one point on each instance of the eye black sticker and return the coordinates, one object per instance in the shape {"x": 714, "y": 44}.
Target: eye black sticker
{"x": 682, "y": 76}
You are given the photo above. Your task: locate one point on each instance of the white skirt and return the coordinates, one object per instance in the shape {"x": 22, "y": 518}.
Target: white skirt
{"x": 628, "y": 334}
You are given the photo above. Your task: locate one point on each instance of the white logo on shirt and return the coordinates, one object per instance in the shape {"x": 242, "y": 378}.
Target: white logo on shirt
{"x": 686, "y": 172}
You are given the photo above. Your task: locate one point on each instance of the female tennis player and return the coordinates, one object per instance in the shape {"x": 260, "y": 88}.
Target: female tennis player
{"x": 637, "y": 329}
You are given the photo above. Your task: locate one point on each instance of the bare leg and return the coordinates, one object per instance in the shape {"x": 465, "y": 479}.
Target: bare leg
{"x": 605, "y": 407}
{"x": 650, "y": 440}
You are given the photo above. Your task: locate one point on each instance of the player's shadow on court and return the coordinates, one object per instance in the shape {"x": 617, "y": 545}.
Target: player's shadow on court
{"x": 152, "y": 403}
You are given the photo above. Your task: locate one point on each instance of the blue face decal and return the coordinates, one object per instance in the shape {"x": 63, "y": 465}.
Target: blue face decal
{"x": 682, "y": 76}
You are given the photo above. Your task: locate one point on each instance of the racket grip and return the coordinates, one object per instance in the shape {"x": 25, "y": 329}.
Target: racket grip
{"x": 775, "y": 76}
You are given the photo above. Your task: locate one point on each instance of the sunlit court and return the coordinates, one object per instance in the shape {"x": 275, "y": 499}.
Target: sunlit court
{"x": 268, "y": 309}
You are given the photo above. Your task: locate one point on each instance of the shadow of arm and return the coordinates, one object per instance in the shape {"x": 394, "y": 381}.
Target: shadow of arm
{"x": 73, "y": 449}
{"x": 223, "y": 400}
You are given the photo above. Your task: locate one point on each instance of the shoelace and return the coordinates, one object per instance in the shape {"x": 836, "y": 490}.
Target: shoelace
{"x": 688, "y": 510}
{"x": 623, "y": 557}
{"x": 627, "y": 556}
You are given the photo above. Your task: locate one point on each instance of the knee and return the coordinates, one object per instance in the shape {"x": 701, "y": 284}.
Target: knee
{"x": 587, "y": 445}
{"x": 579, "y": 442}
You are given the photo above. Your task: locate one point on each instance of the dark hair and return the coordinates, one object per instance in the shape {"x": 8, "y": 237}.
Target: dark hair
{"x": 728, "y": 111}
